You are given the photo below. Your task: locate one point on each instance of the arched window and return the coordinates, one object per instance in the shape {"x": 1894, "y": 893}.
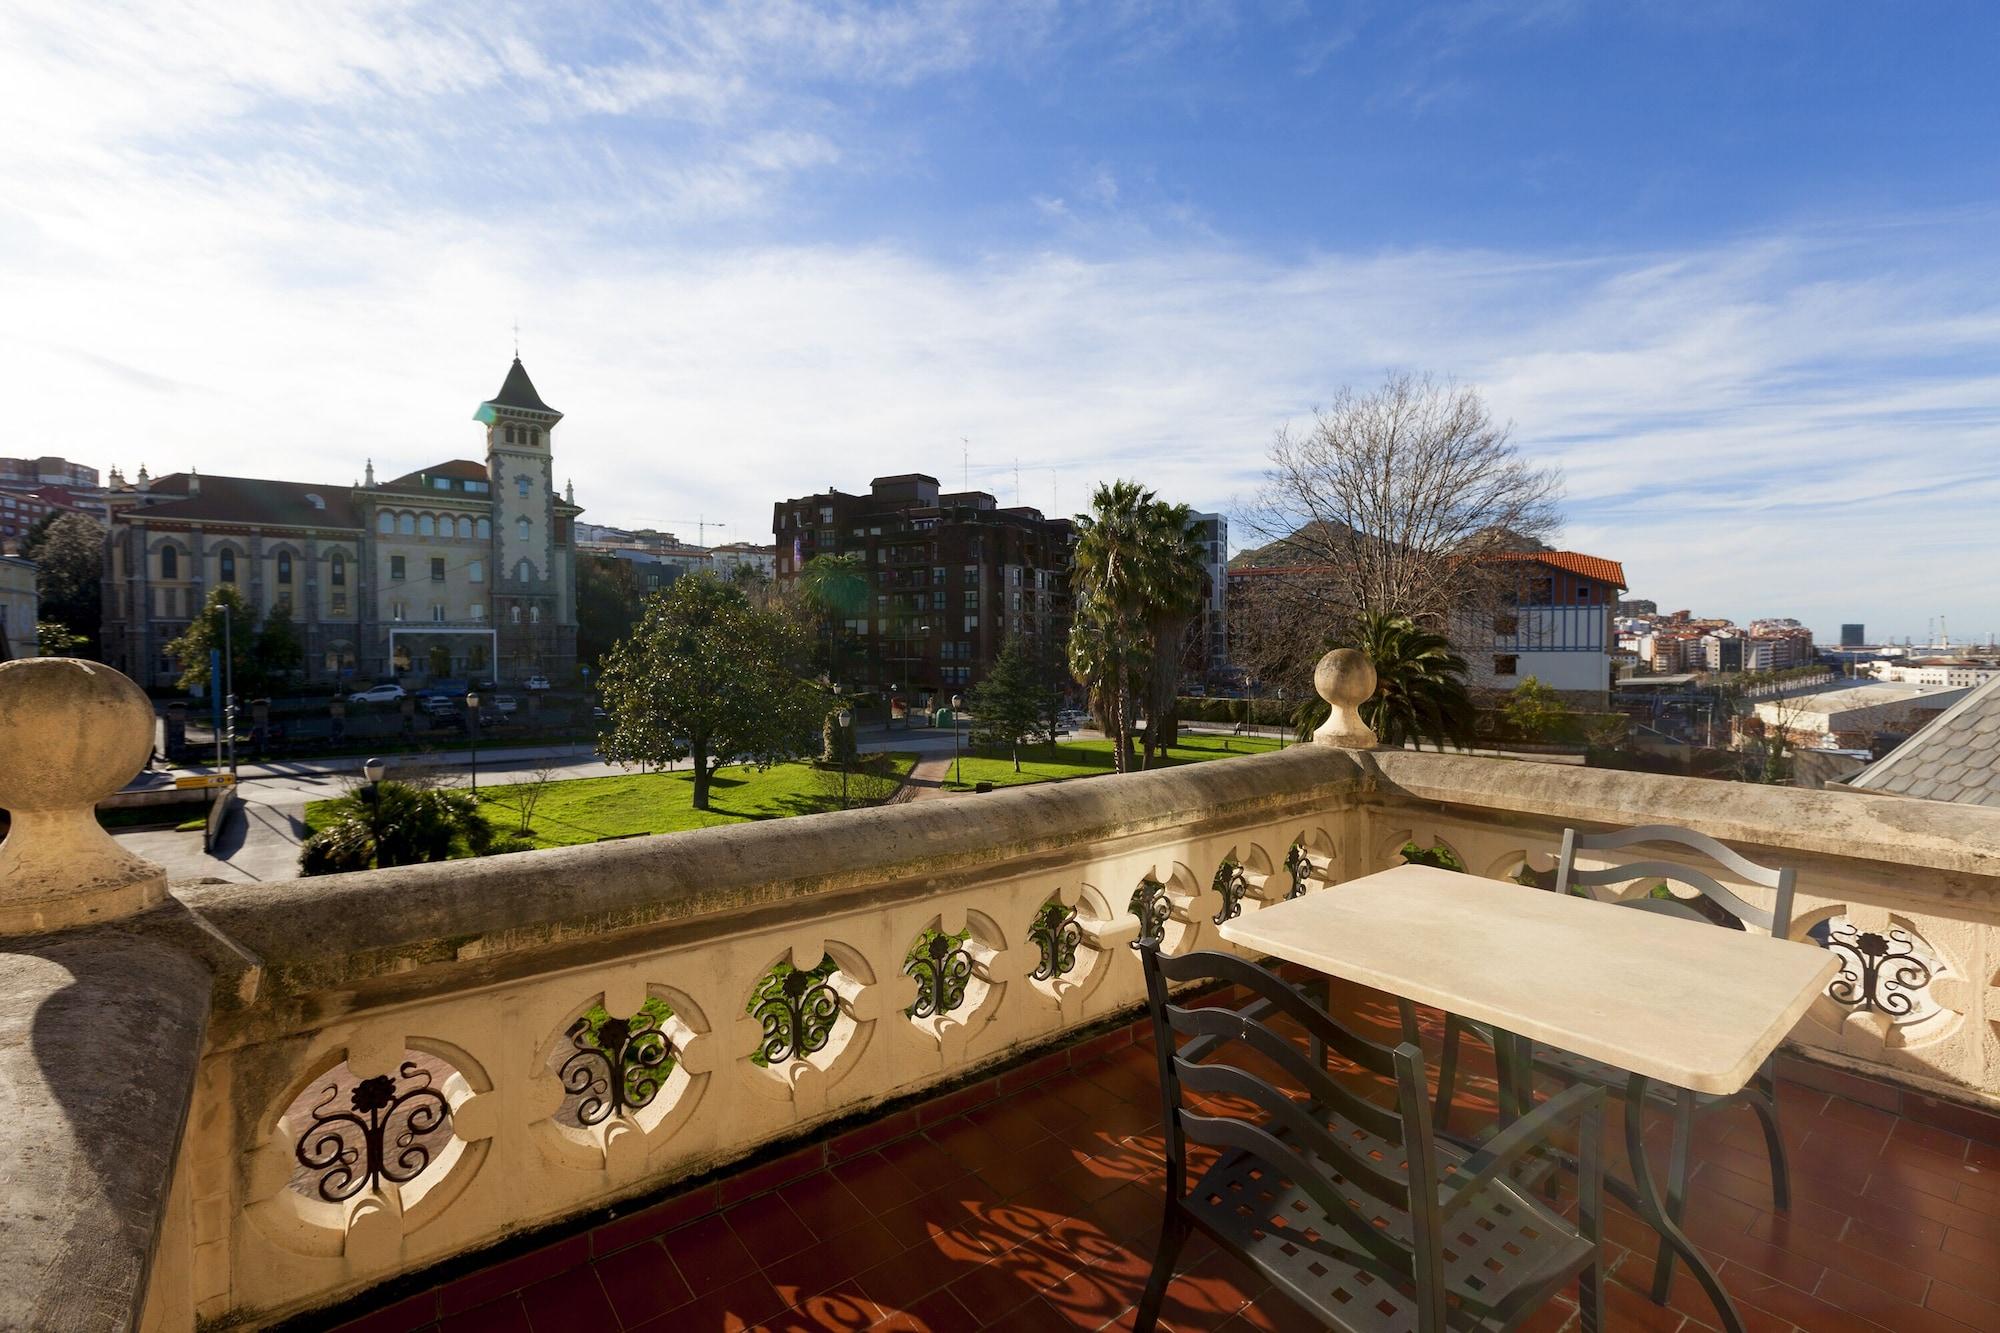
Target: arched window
{"x": 338, "y": 573}
{"x": 228, "y": 565}
{"x": 170, "y": 563}
{"x": 516, "y": 614}
{"x": 284, "y": 566}
{"x": 521, "y": 485}
{"x": 427, "y": 526}
{"x": 407, "y": 525}
{"x": 479, "y": 610}
{"x": 485, "y": 529}
{"x": 524, "y": 572}
{"x": 534, "y": 615}
{"x": 475, "y": 571}
{"x": 523, "y": 529}
{"x": 385, "y": 523}
{"x": 464, "y": 526}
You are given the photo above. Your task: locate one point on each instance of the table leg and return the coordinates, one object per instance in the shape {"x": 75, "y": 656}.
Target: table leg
{"x": 1655, "y": 1217}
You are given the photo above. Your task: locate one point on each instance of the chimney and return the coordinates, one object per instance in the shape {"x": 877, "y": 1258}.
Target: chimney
{"x": 194, "y": 483}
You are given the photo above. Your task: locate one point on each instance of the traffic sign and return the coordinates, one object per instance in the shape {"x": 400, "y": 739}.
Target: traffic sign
{"x": 206, "y": 780}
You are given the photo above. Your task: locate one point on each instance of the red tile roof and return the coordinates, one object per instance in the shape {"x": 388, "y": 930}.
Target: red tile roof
{"x": 1575, "y": 562}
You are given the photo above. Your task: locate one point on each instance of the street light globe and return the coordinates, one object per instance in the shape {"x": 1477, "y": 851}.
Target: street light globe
{"x": 373, "y": 769}
{"x": 956, "y": 703}
{"x": 846, "y": 719}
{"x": 471, "y": 700}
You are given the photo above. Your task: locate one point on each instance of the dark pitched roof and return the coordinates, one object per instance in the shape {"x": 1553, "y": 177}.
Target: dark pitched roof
{"x": 459, "y": 469}
{"x": 250, "y": 500}
{"x": 1953, "y": 757}
{"x": 519, "y": 391}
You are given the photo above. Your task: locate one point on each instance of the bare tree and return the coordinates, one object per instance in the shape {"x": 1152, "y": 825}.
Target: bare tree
{"x": 528, "y": 794}
{"x": 1387, "y": 503}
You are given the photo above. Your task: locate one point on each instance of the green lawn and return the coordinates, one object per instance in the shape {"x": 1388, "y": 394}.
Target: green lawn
{"x": 1082, "y": 759}
{"x": 582, "y": 810}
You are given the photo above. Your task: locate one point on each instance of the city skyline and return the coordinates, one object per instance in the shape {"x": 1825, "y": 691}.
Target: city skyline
{"x": 1745, "y": 306}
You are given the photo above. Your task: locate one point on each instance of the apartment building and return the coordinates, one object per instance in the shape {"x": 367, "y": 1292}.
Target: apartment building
{"x": 1936, "y": 671}
{"x": 462, "y": 568}
{"x": 950, "y": 575}
{"x": 1554, "y": 625}
{"x": 19, "y": 607}
{"x": 1209, "y": 653}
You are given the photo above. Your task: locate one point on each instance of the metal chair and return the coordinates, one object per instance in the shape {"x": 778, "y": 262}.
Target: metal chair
{"x": 1352, "y": 1208}
{"x": 1728, "y": 910}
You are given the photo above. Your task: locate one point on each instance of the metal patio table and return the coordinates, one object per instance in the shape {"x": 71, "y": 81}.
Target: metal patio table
{"x": 1671, "y": 1001}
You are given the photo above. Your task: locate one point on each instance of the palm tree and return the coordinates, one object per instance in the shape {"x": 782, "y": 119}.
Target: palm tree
{"x": 395, "y": 824}
{"x": 836, "y": 588}
{"x": 1420, "y": 685}
{"x": 1109, "y": 645}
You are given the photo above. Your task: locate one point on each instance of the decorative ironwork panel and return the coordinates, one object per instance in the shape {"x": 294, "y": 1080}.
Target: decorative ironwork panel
{"x": 619, "y": 1066}
{"x": 1057, "y": 934}
{"x": 797, "y": 1016}
{"x": 1232, "y": 883}
{"x": 942, "y": 970}
{"x": 380, "y": 1137}
{"x": 1299, "y": 864}
{"x": 1878, "y": 970}
{"x": 1153, "y": 908}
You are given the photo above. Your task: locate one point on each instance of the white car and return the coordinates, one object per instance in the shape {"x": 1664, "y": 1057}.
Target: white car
{"x": 538, "y": 682}
{"x": 505, "y": 703}
{"x": 378, "y": 694}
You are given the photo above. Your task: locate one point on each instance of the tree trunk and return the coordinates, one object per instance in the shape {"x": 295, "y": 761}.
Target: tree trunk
{"x": 700, "y": 756}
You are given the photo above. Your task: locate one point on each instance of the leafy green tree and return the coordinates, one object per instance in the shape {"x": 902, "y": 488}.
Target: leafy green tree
{"x": 1011, "y": 702}
{"x": 68, "y": 551}
{"x": 277, "y": 651}
{"x": 1534, "y": 709}
{"x": 55, "y": 639}
{"x": 397, "y": 825}
{"x": 205, "y": 633}
{"x": 835, "y": 588}
{"x": 1177, "y": 578}
{"x": 707, "y": 676}
{"x": 1421, "y": 691}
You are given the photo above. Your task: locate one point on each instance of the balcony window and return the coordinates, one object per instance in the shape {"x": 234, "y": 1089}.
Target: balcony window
{"x": 1506, "y": 664}
{"x": 396, "y": 567}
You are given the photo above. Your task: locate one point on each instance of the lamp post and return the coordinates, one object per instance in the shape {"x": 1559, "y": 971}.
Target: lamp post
{"x": 472, "y": 723}
{"x": 371, "y": 792}
{"x": 1281, "y": 717}
{"x": 846, "y": 720}
{"x": 956, "y": 776}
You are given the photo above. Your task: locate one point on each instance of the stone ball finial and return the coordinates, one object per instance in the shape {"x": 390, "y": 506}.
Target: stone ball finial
{"x": 1345, "y": 678}
{"x": 71, "y": 733}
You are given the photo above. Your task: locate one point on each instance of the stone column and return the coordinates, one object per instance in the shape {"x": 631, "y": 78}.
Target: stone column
{"x": 71, "y": 733}
{"x": 1345, "y": 678}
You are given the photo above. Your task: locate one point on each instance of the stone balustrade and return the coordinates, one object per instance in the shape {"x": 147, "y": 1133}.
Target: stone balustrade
{"x": 343, "y": 1080}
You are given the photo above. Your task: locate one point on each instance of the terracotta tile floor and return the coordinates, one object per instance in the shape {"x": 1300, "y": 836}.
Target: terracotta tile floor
{"x": 1031, "y": 1202}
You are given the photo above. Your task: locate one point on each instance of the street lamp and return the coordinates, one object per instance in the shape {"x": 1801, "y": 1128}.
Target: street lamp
{"x": 1281, "y": 717}
{"x": 472, "y": 722}
{"x": 371, "y": 792}
{"x": 956, "y": 704}
{"x": 846, "y": 720}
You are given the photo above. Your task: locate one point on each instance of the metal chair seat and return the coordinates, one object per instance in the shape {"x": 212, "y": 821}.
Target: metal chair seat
{"x": 1505, "y": 1253}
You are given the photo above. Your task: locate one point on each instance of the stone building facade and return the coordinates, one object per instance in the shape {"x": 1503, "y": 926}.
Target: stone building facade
{"x": 461, "y": 569}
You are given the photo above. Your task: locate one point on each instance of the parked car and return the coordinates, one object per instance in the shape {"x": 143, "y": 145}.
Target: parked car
{"x": 378, "y": 694}
{"x": 505, "y": 703}
{"x": 438, "y": 705}
{"x": 538, "y": 683}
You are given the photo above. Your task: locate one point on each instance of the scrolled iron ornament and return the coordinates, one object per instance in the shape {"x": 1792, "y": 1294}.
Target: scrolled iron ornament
{"x": 1879, "y": 970}
{"x": 351, "y": 1149}
{"x": 942, "y": 970}
{"x": 617, "y": 1068}
{"x": 797, "y": 1017}
{"x": 1299, "y": 864}
{"x": 1057, "y": 934}
{"x": 1232, "y": 883}
{"x": 1153, "y": 908}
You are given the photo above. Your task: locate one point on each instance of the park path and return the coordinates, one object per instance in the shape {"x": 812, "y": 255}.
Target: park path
{"x": 926, "y": 780}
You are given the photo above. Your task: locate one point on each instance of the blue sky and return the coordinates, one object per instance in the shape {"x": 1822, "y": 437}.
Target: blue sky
{"x": 1731, "y": 266}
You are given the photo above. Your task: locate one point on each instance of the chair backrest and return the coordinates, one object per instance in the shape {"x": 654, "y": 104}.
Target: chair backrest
{"x": 1777, "y": 919}
{"x": 1211, "y": 1099}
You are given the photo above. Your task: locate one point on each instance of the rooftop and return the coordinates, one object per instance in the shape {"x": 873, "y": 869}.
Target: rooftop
{"x": 1955, "y": 757}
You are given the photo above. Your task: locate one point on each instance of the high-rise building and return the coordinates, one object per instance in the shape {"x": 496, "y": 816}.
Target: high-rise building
{"x": 949, "y": 577}
{"x": 1210, "y": 656}
{"x": 1853, "y": 636}
{"x": 459, "y": 569}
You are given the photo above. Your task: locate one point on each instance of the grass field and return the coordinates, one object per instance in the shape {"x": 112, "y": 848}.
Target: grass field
{"x": 1082, "y": 759}
{"x": 583, "y": 810}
